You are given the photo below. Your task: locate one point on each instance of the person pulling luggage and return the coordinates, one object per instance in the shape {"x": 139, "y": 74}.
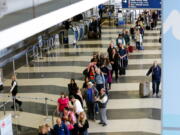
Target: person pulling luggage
{"x": 14, "y": 91}
{"x": 155, "y": 70}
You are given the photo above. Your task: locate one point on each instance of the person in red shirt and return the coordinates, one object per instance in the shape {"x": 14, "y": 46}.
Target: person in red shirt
{"x": 92, "y": 74}
{"x": 62, "y": 102}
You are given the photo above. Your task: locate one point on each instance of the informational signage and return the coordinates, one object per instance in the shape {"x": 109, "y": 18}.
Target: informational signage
{"x": 150, "y": 4}
{"x": 6, "y": 126}
{"x": 3, "y": 7}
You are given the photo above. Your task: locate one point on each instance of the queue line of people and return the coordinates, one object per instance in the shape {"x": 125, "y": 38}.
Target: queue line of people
{"x": 92, "y": 98}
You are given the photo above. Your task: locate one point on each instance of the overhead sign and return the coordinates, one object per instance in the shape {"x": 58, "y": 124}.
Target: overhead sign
{"x": 6, "y": 126}
{"x": 150, "y": 4}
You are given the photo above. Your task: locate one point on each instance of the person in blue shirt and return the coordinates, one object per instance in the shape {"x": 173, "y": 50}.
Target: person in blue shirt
{"x": 155, "y": 70}
{"x": 60, "y": 128}
{"x": 90, "y": 95}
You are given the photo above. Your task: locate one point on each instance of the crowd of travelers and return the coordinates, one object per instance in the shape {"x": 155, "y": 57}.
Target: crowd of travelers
{"x": 92, "y": 98}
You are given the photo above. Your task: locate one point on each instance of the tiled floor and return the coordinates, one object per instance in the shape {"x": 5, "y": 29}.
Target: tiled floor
{"x": 127, "y": 113}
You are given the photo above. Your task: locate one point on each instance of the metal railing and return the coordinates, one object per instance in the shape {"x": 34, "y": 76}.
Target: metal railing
{"x": 15, "y": 115}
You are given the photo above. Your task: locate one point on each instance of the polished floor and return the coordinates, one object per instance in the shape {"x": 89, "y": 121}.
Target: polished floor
{"x": 127, "y": 113}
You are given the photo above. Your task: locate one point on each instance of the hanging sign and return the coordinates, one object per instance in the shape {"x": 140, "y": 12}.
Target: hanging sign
{"x": 150, "y": 4}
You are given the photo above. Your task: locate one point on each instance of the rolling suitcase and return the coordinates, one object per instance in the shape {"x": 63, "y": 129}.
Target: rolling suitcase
{"x": 148, "y": 28}
{"x": 144, "y": 89}
{"x": 130, "y": 49}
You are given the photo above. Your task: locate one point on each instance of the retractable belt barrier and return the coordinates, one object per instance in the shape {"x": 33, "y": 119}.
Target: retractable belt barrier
{"x": 12, "y": 99}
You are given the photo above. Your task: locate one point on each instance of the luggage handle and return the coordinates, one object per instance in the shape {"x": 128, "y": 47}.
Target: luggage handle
{"x": 121, "y": 62}
{"x": 147, "y": 79}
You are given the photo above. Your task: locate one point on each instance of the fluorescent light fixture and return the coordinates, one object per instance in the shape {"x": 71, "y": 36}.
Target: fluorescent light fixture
{"x": 24, "y": 30}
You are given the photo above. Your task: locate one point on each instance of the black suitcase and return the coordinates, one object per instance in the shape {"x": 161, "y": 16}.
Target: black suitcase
{"x": 148, "y": 28}
{"x": 152, "y": 25}
{"x": 1, "y": 87}
{"x": 122, "y": 69}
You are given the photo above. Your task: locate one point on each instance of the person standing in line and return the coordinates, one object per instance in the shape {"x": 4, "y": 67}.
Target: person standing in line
{"x": 110, "y": 48}
{"x": 99, "y": 79}
{"x": 123, "y": 57}
{"x": 76, "y": 106}
{"x": 72, "y": 87}
{"x": 155, "y": 70}
{"x": 90, "y": 95}
{"x": 109, "y": 67}
{"x": 127, "y": 38}
{"x": 83, "y": 124}
{"x": 114, "y": 61}
{"x": 62, "y": 102}
{"x": 60, "y": 128}
{"x": 102, "y": 101}
{"x": 14, "y": 91}
{"x": 120, "y": 39}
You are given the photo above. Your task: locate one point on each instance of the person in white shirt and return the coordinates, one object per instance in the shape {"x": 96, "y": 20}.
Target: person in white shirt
{"x": 76, "y": 105}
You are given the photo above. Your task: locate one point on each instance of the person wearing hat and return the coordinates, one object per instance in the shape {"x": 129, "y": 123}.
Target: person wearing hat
{"x": 102, "y": 101}
{"x": 90, "y": 94}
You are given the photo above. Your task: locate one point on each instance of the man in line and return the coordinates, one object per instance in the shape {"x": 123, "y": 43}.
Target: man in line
{"x": 102, "y": 101}
{"x": 76, "y": 106}
{"x": 90, "y": 95}
{"x": 60, "y": 128}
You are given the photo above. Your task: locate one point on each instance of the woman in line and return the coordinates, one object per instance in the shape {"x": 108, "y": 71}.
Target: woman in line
{"x": 83, "y": 124}
{"x": 72, "y": 87}
{"x": 62, "y": 102}
{"x": 114, "y": 61}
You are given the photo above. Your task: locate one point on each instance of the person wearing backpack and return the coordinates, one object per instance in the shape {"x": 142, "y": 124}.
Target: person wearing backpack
{"x": 90, "y": 95}
{"x": 155, "y": 70}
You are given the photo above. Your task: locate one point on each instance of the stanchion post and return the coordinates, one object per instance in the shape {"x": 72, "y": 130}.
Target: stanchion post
{"x": 14, "y": 104}
{"x": 14, "y": 68}
{"x": 46, "y": 107}
{"x": 46, "y": 110}
{"x": 27, "y": 60}
{"x": 4, "y": 108}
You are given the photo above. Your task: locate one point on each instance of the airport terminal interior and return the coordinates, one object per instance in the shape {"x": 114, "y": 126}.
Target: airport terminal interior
{"x": 43, "y": 64}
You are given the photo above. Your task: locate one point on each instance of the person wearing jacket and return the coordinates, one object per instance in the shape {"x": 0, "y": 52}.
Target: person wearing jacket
{"x": 62, "y": 102}
{"x": 83, "y": 124}
{"x": 72, "y": 87}
{"x": 127, "y": 38}
{"x": 99, "y": 79}
{"x": 14, "y": 91}
{"x": 102, "y": 101}
{"x": 60, "y": 128}
{"x": 123, "y": 56}
{"x": 110, "y": 48}
{"x": 90, "y": 94}
{"x": 155, "y": 70}
{"x": 114, "y": 61}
